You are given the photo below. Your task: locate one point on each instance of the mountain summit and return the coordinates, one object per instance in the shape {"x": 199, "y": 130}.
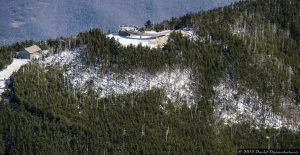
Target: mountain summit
{"x": 42, "y": 19}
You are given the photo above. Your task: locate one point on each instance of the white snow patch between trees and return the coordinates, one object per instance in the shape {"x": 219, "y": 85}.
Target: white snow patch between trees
{"x": 9, "y": 70}
{"x": 236, "y": 107}
{"x": 176, "y": 83}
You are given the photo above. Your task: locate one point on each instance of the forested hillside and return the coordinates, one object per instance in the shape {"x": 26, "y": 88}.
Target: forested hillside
{"x": 261, "y": 40}
{"x": 73, "y": 123}
{"x": 251, "y": 47}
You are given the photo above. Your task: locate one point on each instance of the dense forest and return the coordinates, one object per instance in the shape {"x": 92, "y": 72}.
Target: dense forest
{"x": 253, "y": 43}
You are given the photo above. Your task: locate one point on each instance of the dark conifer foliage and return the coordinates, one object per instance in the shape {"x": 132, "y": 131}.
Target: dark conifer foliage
{"x": 253, "y": 43}
{"x": 69, "y": 122}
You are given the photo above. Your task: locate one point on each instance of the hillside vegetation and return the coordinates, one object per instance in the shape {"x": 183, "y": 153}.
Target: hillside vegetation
{"x": 253, "y": 45}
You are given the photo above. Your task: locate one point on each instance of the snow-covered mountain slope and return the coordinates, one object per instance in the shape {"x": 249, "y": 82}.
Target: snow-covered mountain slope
{"x": 176, "y": 83}
{"x": 235, "y": 106}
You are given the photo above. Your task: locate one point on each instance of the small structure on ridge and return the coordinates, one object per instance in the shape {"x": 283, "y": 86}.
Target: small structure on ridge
{"x": 32, "y": 52}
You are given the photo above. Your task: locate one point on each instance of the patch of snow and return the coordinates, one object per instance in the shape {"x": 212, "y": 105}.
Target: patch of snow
{"x": 176, "y": 83}
{"x": 190, "y": 34}
{"x": 9, "y": 70}
{"x": 235, "y": 107}
{"x": 63, "y": 58}
{"x": 134, "y": 40}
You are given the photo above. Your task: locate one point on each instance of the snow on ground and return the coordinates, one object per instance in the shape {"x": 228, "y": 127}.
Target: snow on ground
{"x": 235, "y": 107}
{"x": 150, "y": 41}
{"x": 63, "y": 58}
{"x": 190, "y": 34}
{"x": 133, "y": 40}
{"x": 176, "y": 83}
{"x": 9, "y": 70}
